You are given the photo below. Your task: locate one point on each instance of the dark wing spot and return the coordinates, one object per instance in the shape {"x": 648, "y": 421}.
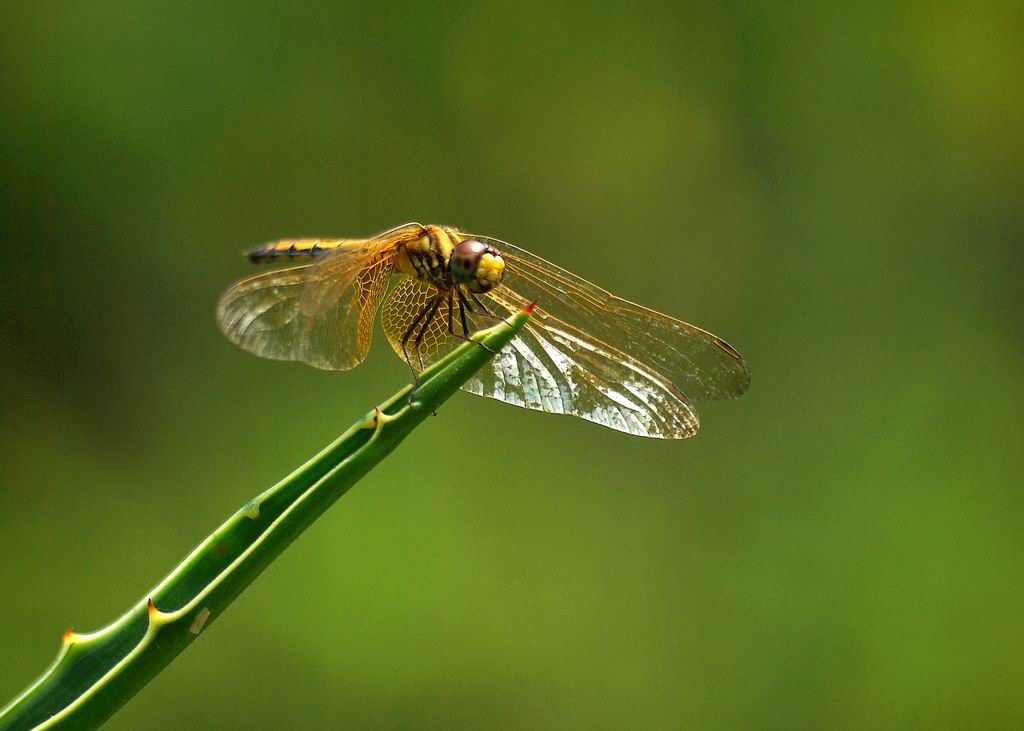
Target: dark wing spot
{"x": 727, "y": 348}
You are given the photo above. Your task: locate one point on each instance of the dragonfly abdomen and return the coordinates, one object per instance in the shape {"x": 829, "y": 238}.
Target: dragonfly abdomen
{"x": 293, "y": 249}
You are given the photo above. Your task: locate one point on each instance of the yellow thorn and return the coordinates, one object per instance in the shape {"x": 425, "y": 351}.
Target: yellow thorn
{"x": 383, "y": 418}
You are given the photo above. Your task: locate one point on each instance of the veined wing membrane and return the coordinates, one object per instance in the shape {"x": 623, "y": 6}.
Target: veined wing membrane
{"x": 549, "y": 368}
{"x": 321, "y": 313}
{"x": 697, "y": 362}
{"x": 554, "y": 367}
{"x": 407, "y": 300}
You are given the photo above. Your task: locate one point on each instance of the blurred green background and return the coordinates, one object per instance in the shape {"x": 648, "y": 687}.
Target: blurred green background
{"x": 836, "y": 192}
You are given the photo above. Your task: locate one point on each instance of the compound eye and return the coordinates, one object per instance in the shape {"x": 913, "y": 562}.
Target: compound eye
{"x": 466, "y": 258}
{"x": 476, "y": 266}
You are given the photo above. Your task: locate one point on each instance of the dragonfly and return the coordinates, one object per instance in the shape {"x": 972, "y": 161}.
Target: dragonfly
{"x": 584, "y": 352}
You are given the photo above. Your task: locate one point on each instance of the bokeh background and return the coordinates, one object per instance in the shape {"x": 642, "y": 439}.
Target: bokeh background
{"x": 835, "y": 191}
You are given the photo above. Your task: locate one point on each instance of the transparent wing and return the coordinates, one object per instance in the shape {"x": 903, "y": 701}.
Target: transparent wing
{"x": 554, "y": 367}
{"x": 696, "y": 362}
{"x": 548, "y": 367}
{"x": 404, "y": 303}
{"x": 321, "y": 313}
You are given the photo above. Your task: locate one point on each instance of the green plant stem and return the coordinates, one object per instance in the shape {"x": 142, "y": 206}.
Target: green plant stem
{"x": 96, "y": 673}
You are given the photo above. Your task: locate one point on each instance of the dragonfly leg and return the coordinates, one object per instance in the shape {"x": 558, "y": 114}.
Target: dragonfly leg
{"x": 423, "y": 328}
{"x": 487, "y": 312}
{"x": 426, "y": 315}
{"x": 451, "y": 309}
{"x": 451, "y": 325}
{"x": 463, "y": 306}
{"x": 405, "y": 341}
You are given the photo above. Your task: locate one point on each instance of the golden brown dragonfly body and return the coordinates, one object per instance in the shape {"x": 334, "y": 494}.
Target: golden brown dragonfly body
{"x": 585, "y": 351}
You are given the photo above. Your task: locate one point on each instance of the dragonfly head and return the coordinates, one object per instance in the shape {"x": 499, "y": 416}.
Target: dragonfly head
{"x": 476, "y": 265}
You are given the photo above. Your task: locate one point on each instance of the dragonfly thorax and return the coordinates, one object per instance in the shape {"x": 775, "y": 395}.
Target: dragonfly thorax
{"x": 442, "y": 257}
